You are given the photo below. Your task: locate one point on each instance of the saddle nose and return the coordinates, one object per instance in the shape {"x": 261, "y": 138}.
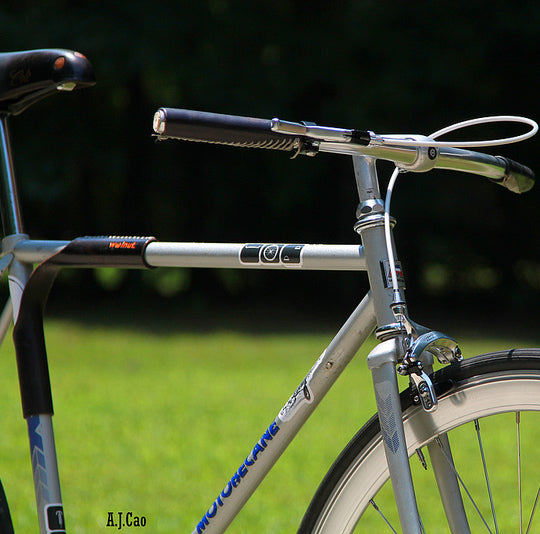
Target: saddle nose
{"x": 29, "y": 76}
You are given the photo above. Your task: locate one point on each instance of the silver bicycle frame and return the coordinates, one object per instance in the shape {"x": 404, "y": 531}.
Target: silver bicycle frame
{"x": 318, "y": 380}
{"x": 375, "y": 310}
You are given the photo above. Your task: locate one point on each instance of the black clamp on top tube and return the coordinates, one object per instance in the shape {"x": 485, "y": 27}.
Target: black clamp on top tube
{"x": 28, "y": 336}
{"x": 104, "y": 251}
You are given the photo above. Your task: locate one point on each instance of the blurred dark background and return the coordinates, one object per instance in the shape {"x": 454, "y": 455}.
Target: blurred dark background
{"x": 88, "y": 165}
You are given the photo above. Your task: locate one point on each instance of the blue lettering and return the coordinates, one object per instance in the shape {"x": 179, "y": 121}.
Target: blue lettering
{"x": 265, "y": 437}
{"x": 212, "y": 511}
{"x": 242, "y": 470}
{"x": 227, "y": 490}
{"x": 257, "y": 449}
{"x": 202, "y": 525}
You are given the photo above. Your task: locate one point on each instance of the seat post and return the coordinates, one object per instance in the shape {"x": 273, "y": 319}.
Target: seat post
{"x": 9, "y": 201}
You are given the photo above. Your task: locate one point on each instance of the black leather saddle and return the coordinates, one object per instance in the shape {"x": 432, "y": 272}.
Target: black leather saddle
{"x": 29, "y": 76}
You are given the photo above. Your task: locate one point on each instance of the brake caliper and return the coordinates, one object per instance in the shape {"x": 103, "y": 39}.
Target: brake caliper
{"x": 443, "y": 347}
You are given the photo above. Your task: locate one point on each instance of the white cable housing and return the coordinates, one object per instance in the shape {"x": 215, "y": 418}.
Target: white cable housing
{"x": 453, "y": 144}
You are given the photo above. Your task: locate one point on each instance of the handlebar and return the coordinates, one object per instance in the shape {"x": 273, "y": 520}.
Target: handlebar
{"x": 222, "y": 129}
{"x": 413, "y": 153}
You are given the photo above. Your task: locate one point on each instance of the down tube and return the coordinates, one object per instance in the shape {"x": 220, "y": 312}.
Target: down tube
{"x": 290, "y": 419}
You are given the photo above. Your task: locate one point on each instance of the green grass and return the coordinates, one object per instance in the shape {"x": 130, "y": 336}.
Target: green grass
{"x": 156, "y": 423}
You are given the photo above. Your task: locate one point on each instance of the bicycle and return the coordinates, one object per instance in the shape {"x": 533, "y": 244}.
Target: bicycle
{"x": 426, "y": 416}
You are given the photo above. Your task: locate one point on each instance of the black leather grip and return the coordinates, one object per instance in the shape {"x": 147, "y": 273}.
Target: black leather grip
{"x": 518, "y": 178}
{"x": 222, "y": 129}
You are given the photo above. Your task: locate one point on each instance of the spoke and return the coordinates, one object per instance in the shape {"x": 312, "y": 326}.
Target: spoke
{"x": 477, "y": 427}
{"x": 518, "y": 444}
{"x": 451, "y": 464}
{"x": 422, "y": 458}
{"x": 533, "y": 511}
{"x": 378, "y": 510}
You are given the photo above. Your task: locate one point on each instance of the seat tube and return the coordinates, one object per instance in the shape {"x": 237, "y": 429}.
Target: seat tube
{"x": 9, "y": 201}
{"x": 31, "y": 356}
{"x": 11, "y": 216}
{"x": 383, "y": 359}
{"x": 36, "y": 397}
{"x": 45, "y": 471}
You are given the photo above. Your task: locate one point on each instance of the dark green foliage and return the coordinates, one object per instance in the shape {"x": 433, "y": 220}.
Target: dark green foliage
{"x": 87, "y": 162}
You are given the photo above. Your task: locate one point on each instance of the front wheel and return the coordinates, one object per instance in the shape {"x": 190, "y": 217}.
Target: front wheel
{"x": 487, "y": 430}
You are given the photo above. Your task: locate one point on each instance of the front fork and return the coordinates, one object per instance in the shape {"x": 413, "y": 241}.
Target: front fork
{"x": 382, "y": 362}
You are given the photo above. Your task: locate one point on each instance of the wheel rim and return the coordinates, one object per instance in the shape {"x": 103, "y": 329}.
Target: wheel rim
{"x": 487, "y": 396}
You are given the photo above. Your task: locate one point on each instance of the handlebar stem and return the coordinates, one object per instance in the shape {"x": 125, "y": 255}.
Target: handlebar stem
{"x": 370, "y": 226}
{"x": 426, "y": 156}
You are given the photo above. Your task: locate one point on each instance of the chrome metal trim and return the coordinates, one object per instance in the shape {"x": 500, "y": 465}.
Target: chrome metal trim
{"x": 36, "y": 251}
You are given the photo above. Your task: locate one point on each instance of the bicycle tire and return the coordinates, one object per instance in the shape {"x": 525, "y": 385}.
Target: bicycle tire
{"x": 491, "y": 386}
